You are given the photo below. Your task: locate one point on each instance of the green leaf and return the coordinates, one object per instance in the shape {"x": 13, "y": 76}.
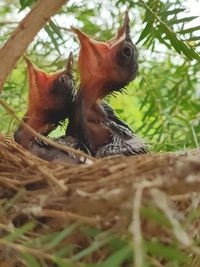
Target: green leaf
{"x": 56, "y": 29}
{"x": 30, "y": 260}
{"x": 25, "y": 3}
{"x": 172, "y": 38}
{"x": 192, "y": 39}
{"x": 62, "y": 263}
{"x": 189, "y": 30}
{"x": 155, "y": 215}
{"x": 62, "y": 235}
{"x": 93, "y": 247}
{"x": 146, "y": 31}
{"x": 183, "y": 20}
{"x": 19, "y": 232}
{"x": 167, "y": 252}
{"x": 117, "y": 258}
{"x": 172, "y": 12}
{"x": 53, "y": 39}
{"x": 164, "y": 27}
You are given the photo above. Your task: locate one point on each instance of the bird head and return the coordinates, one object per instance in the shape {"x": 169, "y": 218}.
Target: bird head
{"x": 49, "y": 93}
{"x": 107, "y": 66}
{"x": 49, "y": 102}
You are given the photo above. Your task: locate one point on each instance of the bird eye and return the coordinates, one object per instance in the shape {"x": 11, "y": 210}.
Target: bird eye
{"x": 127, "y": 51}
{"x": 64, "y": 79}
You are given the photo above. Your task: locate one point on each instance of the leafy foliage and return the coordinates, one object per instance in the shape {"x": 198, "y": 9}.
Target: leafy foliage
{"x": 163, "y": 23}
{"x": 40, "y": 249}
{"x": 114, "y": 250}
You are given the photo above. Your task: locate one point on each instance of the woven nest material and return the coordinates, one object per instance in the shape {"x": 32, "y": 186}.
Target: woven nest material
{"x": 102, "y": 194}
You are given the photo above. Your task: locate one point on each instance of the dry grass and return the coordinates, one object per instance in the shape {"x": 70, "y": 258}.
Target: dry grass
{"x": 107, "y": 194}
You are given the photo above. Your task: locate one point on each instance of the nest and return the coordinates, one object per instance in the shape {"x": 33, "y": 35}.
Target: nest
{"x": 107, "y": 194}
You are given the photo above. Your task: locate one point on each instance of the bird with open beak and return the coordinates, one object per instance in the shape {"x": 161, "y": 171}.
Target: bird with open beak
{"x": 50, "y": 100}
{"x": 104, "y": 67}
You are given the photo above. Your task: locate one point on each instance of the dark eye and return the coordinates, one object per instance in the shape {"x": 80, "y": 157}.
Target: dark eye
{"x": 65, "y": 79}
{"x": 127, "y": 51}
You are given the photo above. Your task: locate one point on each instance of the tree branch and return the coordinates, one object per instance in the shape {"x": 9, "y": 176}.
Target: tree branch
{"x": 24, "y": 34}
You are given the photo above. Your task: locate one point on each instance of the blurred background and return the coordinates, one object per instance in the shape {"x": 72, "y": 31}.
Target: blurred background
{"x": 163, "y": 104}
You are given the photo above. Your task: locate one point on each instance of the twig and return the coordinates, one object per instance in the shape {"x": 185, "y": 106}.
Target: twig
{"x": 33, "y": 251}
{"x": 136, "y": 227}
{"x": 8, "y": 22}
{"x": 67, "y": 215}
{"x": 49, "y": 175}
{"x": 161, "y": 201}
{"x": 24, "y": 34}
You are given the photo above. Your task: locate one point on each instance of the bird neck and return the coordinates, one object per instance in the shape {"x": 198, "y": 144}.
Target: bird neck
{"x": 92, "y": 92}
{"x": 87, "y": 124}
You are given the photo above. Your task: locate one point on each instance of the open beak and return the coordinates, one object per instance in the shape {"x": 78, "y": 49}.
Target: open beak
{"x": 30, "y": 65}
{"x": 99, "y": 61}
{"x": 123, "y": 32}
{"x": 87, "y": 41}
{"x": 92, "y": 51}
{"x": 39, "y": 80}
{"x": 94, "y": 54}
{"x": 34, "y": 75}
{"x": 70, "y": 62}
{"x": 89, "y": 44}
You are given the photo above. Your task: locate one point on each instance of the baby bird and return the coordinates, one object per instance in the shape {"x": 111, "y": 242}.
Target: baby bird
{"x": 50, "y": 100}
{"x": 104, "y": 67}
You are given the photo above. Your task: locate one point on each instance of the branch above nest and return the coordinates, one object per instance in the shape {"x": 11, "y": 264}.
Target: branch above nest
{"x": 24, "y": 34}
